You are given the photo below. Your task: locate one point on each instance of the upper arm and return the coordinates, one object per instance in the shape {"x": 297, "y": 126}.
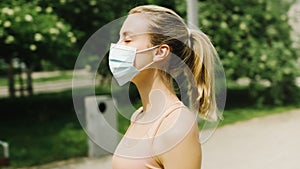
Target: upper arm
{"x": 186, "y": 154}
{"x": 179, "y": 144}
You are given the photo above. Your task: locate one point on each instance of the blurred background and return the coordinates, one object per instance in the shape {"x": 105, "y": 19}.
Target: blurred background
{"x": 258, "y": 42}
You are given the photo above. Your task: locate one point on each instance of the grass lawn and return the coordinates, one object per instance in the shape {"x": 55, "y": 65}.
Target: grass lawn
{"x": 62, "y": 76}
{"x": 34, "y": 142}
{"x": 241, "y": 114}
{"x": 44, "y": 128}
{"x": 41, "y": 129}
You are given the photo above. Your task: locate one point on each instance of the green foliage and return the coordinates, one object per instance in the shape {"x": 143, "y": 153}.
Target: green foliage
{"x": 89, "y": 16}
{"x": 33, "y": 33}
{"x": 86, "y": 16}
{"x": 252, "y": 37}
{"x": 253, "y": 41}
{"x": 38, "y": 132}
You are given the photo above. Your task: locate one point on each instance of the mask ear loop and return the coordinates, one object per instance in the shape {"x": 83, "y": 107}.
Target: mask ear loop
{"x": 143, "y": 68}
{"x": 144, "y": 50}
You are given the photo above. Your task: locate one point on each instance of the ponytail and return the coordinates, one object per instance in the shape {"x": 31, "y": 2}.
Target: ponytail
{"x": 201, "y": 62}
{"x": 198, "y": 53}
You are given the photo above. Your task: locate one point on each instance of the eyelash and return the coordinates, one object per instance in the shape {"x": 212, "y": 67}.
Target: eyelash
{"x": 127, "y": 40}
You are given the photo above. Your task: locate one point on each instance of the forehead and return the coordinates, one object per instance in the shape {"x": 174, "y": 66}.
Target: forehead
{"x": 135, "y": 23}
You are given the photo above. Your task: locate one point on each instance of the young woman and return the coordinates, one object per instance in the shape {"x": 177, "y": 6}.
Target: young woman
{"x": 163, "y": 133}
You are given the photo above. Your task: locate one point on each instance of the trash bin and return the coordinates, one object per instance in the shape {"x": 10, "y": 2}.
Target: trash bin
{"x": 4, "y": 161}
{"x": 101, "y": 121}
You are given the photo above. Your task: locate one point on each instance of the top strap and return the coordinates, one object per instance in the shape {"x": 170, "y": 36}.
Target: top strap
{"x": 135, "y": 114}
{"x": 153, "y": 130}
{"x": 140, "y": 110}
{"x": 155, "y": 127}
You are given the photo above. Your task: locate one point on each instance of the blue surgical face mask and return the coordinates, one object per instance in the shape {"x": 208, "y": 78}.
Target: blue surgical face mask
{"x": 121, "y": 62}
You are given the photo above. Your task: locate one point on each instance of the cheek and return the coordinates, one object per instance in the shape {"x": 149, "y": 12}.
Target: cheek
{"x": 142, "y": 59}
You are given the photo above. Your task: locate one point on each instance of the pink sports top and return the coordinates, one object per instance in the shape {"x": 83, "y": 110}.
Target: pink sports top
{"x": 130, "y": 160}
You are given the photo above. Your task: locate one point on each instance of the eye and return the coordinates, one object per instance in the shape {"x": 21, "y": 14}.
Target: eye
{"x": 127, "y": 40}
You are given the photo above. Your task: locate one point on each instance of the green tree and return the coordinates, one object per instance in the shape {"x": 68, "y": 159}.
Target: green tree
{"x": 253, "y": 40}
{"x": 89, "y": 16}
{"x": 32, "y": 34}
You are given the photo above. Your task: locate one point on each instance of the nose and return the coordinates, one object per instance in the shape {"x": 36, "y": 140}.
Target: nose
{"x": 120, "y": 42}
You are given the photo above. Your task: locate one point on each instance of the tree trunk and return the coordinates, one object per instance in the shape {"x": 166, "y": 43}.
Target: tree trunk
{"x": 192, "y": 13}
{"x": 29, "y": 69}
{"x": 11, "y": 80}
{"x": 20, "y": 72}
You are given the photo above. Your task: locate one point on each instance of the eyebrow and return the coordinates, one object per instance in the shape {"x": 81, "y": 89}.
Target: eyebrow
{"x": 126, "y": 33}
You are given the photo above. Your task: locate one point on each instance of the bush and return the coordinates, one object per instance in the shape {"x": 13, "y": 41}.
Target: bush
{"x": 253, "y": 40}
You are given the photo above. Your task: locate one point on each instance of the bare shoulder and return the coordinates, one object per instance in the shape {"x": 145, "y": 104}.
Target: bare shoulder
{"x": 177, "y": 143}
{"x": 180, "y": 125}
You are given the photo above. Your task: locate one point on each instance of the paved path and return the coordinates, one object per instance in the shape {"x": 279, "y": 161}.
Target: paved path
{"x": 271, "y": 142}
{"x": 81, "y": 163}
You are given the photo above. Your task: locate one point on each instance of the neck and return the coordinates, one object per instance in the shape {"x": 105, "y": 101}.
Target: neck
{"x": 155, "y": 95}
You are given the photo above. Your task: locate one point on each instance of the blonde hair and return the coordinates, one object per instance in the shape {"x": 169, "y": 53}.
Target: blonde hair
{"x": 193, "y": 47}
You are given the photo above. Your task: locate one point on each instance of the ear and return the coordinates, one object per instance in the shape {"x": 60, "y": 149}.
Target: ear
{"x": 162, "y": 53}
